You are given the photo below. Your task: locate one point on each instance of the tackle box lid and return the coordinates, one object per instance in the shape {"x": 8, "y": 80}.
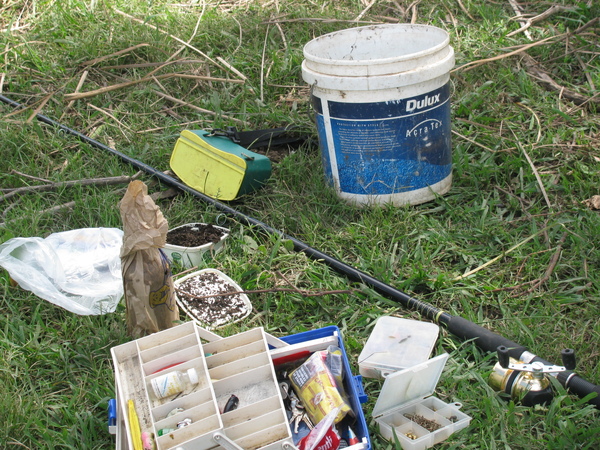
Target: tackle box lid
{"x": 409, "y": 385}
{"x": 396, "y": 343}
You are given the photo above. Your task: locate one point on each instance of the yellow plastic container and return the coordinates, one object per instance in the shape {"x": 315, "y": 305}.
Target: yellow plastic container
{"x": 218, "y": 167}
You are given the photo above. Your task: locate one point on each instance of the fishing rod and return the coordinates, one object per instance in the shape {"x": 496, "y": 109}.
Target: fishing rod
{"x": 514, "y": 359}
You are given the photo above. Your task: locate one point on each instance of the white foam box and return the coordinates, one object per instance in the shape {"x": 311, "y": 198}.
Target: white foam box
{"x": 237, "y": 365}
{"x": 408, "y": 393}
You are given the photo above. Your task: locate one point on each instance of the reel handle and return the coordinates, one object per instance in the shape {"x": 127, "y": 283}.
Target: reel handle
{"x": 503, "y": 356}
{"x": 568, "y": 358}
{"x": 567, "y": 355}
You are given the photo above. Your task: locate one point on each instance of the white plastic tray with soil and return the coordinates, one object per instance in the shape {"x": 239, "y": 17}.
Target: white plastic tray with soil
{"x": 211, "y": 298}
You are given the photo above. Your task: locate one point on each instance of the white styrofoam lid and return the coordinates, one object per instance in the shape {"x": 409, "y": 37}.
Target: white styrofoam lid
{"x": 396, "y": 343}
{"x": 413, "y": 383}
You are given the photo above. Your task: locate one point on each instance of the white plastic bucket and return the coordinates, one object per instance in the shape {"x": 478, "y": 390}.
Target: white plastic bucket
{"x": 382, "y": 100}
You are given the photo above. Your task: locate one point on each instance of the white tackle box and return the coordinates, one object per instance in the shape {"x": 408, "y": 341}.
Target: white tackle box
{"x": 241, "y": 365}
{"x": 405, "y": 401}
{"x": 237, "y": 365}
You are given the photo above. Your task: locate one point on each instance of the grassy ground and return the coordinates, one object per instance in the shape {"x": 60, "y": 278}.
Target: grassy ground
{"x": 517, "y": 218}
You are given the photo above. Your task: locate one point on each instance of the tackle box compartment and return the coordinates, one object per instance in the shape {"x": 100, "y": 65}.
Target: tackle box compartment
{"x": 236, "y": 365}
{"x": 317, "y": 340}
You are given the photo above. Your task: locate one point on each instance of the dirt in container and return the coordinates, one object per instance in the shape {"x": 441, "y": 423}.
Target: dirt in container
{"x": 194, "y": 235}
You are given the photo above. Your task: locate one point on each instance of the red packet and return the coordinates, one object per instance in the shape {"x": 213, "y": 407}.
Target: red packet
{"x": 323, "y": 436}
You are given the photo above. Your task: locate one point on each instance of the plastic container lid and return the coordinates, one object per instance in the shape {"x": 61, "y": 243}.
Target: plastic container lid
{"x": 193, "y": 376}
{"x": 373, "y": 82}
{"x": 396, "y": 344}
{"x": 414, "y": 383}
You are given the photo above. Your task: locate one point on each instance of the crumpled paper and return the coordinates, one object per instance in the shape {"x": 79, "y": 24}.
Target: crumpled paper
{"x": 147, "y": 278}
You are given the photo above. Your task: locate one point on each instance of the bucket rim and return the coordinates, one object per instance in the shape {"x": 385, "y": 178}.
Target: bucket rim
{"x": 380, "y": 82}
{"x": 380, "y": 61}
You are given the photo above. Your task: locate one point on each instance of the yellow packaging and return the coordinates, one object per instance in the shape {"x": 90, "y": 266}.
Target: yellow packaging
{"x": 316, "y": 387}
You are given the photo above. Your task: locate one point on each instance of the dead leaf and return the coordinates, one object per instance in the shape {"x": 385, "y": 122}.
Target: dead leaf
{"x": 593, "y": 202}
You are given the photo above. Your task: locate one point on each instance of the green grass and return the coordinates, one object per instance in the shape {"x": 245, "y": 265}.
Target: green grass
{"x": 55, "y": 367}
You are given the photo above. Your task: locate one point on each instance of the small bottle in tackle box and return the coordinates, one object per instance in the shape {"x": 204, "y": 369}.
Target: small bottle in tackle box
{"x": 406, "y": 409}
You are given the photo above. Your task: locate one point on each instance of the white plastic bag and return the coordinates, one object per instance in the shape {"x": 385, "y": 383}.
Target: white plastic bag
{"x": 79, "y": 270}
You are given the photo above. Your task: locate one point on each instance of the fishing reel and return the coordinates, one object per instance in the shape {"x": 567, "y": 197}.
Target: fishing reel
{"x": 527, "y": 383}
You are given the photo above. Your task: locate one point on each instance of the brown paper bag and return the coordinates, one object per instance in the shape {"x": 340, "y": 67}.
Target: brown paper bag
{"x": 147, "y": 278}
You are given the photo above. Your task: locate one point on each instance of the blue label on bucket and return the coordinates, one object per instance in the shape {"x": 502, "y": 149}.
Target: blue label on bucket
{"x": 387, "y": 147}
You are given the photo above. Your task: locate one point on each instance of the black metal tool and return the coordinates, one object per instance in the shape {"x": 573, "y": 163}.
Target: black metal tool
{"x": 458, "y": 326}
{"x": 261, "y": 138}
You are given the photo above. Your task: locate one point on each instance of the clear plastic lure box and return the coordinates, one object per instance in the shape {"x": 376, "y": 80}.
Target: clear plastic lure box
{"x": 238, "y": 365}
{"x": 406, "y": 408}
{"x": 396, "y": 343}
